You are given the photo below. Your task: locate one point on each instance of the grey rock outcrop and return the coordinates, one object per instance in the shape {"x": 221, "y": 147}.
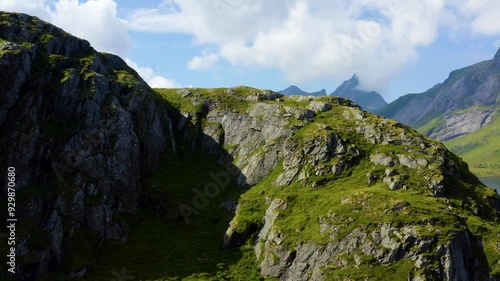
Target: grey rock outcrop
{"x": 257, "y": 137}
{"x": 459, "y": 124}
{"x": 389, "y": 244}
{"x": 318, "y": 106}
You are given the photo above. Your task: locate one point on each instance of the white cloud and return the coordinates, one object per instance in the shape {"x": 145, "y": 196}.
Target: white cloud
{"x": 306, "y": 40}
{"x": 203, "y": 62}
{"x": 161, "y": 82}
{"x": 317, "y": 39}
{"x": 31, "y": 7}
{"x": 484, "y": 15}
{"x": 93, "y": 20}
{"x": 154, "y": 80}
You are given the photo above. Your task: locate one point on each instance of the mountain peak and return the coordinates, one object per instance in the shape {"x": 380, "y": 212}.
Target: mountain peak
{"x": 354, "y": 78}
{"x": 370, "y": 101}
{"x": 496, "y": 60}
{"x": 497, "y": 55}
{"x": 294, "y": 90}
{"x": 348, "y": 85}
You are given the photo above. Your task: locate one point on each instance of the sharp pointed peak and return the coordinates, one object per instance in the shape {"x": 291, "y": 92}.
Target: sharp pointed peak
{"x": 497, "y": 55}
{"x": 354, "y": 77}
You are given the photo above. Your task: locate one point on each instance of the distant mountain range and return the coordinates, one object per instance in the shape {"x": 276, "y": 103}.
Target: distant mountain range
{"x": 296, "y": 91}
{"x": 463, "y": 111}
{"x": 370, "y": 101}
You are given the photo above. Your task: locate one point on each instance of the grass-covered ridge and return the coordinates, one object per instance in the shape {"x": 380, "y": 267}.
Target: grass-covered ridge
{"x": 235, "y": 99}
{"x": 350, "y": 196}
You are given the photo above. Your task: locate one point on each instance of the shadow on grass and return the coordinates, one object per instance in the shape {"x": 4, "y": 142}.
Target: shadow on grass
{"x": 178, "y": 233}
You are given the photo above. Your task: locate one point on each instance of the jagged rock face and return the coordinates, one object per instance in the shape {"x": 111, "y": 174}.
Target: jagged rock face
{"x": 261, "y": 129}
{"x": 81, "y": 126}
{"x": 261, "y": 138}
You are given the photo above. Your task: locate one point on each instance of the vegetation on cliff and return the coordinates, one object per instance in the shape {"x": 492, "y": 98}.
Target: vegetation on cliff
{"x": 221, "y": 184}
{"x": 462, "y": 111}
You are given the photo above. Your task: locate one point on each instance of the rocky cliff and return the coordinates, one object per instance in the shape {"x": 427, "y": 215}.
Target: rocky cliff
{"x": 83, "y": 133}
{"x": 221, "y": 184}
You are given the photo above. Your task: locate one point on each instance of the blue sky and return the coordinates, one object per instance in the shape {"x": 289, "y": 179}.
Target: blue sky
{"x": 395, "y": 46}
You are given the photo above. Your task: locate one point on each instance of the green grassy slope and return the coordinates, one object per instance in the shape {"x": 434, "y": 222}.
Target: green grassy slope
{"x": 162, "y": 248}
{"x": 349, "y": 195}
{"x": 481, "y": 149}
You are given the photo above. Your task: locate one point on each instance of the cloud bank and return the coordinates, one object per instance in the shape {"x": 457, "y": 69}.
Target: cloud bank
{"x": 306, "y": 40}
{"x": 148, "y": 74}
{"x": 310, "y": 40}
